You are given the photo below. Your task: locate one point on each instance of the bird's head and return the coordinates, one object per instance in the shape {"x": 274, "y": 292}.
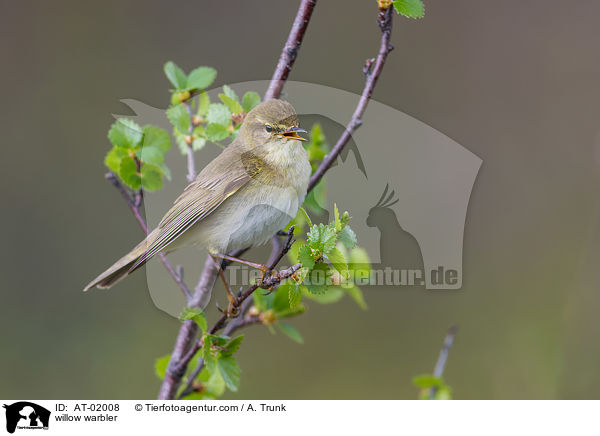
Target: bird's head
{"x": 272, "y": 122}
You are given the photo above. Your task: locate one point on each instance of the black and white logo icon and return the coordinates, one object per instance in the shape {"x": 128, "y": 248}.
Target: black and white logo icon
{"x": 26, "y": 415}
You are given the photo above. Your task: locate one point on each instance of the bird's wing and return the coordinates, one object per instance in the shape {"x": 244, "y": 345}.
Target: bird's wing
{"x": 220, "y": 179}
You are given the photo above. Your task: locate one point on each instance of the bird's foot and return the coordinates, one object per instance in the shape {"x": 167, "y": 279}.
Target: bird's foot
{"x": 232, "y": 311}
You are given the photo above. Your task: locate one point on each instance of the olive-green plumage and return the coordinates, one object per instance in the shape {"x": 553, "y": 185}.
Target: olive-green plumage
{"x": 247, "y": 193}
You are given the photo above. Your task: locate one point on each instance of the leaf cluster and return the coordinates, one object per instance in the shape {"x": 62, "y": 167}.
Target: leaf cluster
{"x": 221, "y": 370}
{"x": 138, "y": 154}
{"x": 195, "y": 118}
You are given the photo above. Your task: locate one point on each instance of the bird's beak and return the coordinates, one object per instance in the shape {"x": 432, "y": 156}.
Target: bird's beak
{"x": 292, "y": 133}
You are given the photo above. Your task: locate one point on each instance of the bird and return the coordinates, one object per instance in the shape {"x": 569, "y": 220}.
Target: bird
{"x": 251, "y": 190}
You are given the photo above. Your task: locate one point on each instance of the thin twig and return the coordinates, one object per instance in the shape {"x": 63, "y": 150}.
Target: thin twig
{"x": 290, "y": 49}
{"x": 267, "y": 281}
{"x": 440, "y": 365}
{"x": 134, "y": 205}
{"x": 190, "y": 150}
{"x": 372, "y": 75}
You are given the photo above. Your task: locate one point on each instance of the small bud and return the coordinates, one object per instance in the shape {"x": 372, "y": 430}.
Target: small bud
{"x": 384, "y": 5}
{"x": 253, "y": 311}
{"x": 197, "y": 120}
{"x": 238, "y": 118}
{"x": 335, "y": 279}
{"x": 184, "y": 96}
{"x": 197, "y": 386}
{"x": 268, "y": 317}
{"x": 188, "y": 139}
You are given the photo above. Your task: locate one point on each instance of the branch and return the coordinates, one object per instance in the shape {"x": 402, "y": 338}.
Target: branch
{"x": 185, "y": 359}
{"x": 438, "y": 371}
{"x": 188, "y": 330}
{"x": 243, "y": 303}
{"x": 372, "y": 73}
{"x": 266, "y": 283}
{"x": 290, "y": 49}
{"x": 135, "y": 204}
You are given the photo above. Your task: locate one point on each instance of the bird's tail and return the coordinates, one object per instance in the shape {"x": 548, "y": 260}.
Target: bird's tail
{"x": 122, "y": 267}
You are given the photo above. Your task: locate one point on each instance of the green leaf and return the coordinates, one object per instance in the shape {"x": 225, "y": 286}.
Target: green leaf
{"x": 357, "y": 295}
{"x": 198, "y": 143}
{"x": 317, "y": 280}
{"x": 234, "y": 345}
{"x": 410, "y": 8}
{"x": 179, "y": 117}
{"x": 338, "y": 260}
{"x": 125, "y": 133}
{"x": 151, "y": 155}
{"x": 347, "y": 237}
{"x": 316, "y": 135}
{"x": 443, "y": 393}
{"x": 207, "y": 355}
{"x": 359, "y": 263}
{"x": 180, "y": 141}
{"x": 294, "y": 294}
{"x": 231, "y": 104}
{"x": 215, "y": 384}
{"x": 156, "y": 137}
{"x": 322, "y": 238}
{"x": 218, "y": 113}
{"x": 166, "y": 171}
{"x": 291, "y": 332}
{"x": 203, "y": 103}
{"x": 426, "y": 381}
{"x": 306, "y": 257}
{"x": 298, "y": 310}
{"x": 306, "y": 217}
{"x": 196, "y": 314}
{"x": 201, "y": 77}
{"x": 260, "y": 301}
{"x": 128, "y": 173}
{"x": 151, "y": 177}
{"x": 216, "y": 132}
{"x": 175, "y": 75}
{"x": 160, "y": 366}
{"x": 229, "y": 92}
{"x": 316, "y": 198}
{"x": 281, "y": 300}
{"x": 333, "y": 295}
{"x": 336, "y": 214}
{"x": 230, "y": 371}
{"x": 250, "y": 100}
{"x": 113, "y": 158}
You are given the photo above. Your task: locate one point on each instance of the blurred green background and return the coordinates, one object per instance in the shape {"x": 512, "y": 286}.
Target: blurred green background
{"x": 514, "y": 82}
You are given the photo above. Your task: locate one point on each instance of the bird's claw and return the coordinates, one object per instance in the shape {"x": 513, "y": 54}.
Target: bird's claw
{"x": 232, "y": 310}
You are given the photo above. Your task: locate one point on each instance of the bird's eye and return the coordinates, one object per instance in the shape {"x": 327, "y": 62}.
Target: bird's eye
{"x": 268, "y": 128}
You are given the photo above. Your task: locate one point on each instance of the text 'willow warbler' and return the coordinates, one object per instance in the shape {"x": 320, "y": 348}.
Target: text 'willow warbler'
{"x": 240, "y": 199}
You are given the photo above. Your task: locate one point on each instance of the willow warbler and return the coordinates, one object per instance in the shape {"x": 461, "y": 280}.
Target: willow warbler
{"x": 240, "y": 199}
